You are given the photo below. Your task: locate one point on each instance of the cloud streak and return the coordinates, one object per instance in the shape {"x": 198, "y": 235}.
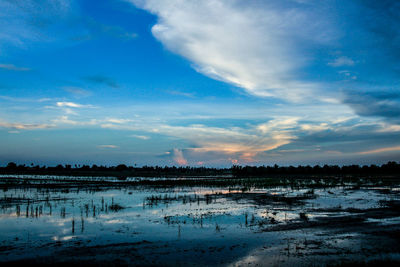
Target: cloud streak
{"x": 24, "y": 126}
{"x": 72, "y": 105}
{"x": 26, "y": 20}
{"x": 380, "y": 150}
{"x": 13, "y": 67}
{"x": 108, "y": 146}
{"x": 101, "y": 79}
{"x": 342, "y": 61}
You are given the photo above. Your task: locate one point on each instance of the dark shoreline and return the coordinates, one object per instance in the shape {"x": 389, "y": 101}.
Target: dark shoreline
{"x": 390, "y": 169}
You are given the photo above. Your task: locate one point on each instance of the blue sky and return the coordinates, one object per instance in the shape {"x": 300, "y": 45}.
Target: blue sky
{"x": 199, "y": 83}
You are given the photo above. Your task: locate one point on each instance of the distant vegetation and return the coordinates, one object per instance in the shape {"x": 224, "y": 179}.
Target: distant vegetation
{"x": 122, "y": 171}
{"x": 391, "y": 168}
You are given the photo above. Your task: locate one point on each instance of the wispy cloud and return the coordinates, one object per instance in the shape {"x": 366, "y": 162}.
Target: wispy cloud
{"x": 66, "y": 120}
{"x": 77, "y": 91}
{"x": 179, "y": 93}
{"x": 24, "y": 126}
{"x": 118, "y": 121}
{"x": 72, "y": 105}
{"x": 342, "y": 61}
{"x": 93, "y": 29}
{"x": 143, "y": 137}
{"x": 13, "y": 67}
{"x": 22, "y": 99}
{"x": 101, "y": 79}
{"x": 107, "y": 146}
{"x": 380, "y": 150}
{"x": 27, "y": 20}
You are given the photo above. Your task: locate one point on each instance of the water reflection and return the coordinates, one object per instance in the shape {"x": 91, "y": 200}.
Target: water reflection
{"x": 236, "y": 222}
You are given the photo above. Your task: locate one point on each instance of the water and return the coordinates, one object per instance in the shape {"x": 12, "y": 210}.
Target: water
{"x": 192, "y": 225}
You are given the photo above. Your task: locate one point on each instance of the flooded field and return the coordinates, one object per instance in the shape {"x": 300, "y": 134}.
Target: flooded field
{"x": 200, "y": 225}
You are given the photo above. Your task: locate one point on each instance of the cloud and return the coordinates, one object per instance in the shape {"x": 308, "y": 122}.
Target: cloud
{"x": 108, "y": 146}
{"x": 27, "y": 20}
{"x": 56, "y": 21}
{"x": 24, "y": 126}
{"x": 118, "y": 121}
{"x": 385, "y": 127}
{"x": 381, "y": 22}
{"x": 93, "y": 29}
{"x": 13, "y": 67}
{"x": 380, "y": 150}
{"x": 77, "y": 91}
{"x": 100, "y": 79}
{"x": 72, "y": 105}
{"x": 178, "y": 93}
{"x": 66, "y": 120}
{"x": 341, "y": 61}
{"x": 178, "y": 157}
{"x": 345, "y": 138}
{"x": 239, "y": 142}
{"x": 21, "y": 99}
{"x": 143, "y": 137}
{"x": 374, "y": 103}
{"x": 254, "y": 45}
{"x": 315, "y": 127}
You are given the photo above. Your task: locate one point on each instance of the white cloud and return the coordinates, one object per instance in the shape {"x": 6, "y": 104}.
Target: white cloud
{"x": 386, "y": 127}
{"x": 281, "y": 123}
{"x": 107, "y": 146}
{"x": 178, "y": 157}
{"x": 72, "y": 105}
{"x": 342, "y": 61}
{"x": 143, "y": 137}
{"x": 251, "y": 45}
{"x": 66, "y": 120}
{"x": 118, "y": 121}
{"x": 24, "y": 126}
{"x": 316, "y": 127}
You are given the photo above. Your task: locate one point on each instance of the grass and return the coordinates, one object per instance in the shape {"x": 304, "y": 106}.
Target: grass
{"x": 115, "y": 207}
{"x": 244, "y": 184}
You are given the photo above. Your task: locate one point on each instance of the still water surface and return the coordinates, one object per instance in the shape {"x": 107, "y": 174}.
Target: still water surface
{"x": 192, "y": 225}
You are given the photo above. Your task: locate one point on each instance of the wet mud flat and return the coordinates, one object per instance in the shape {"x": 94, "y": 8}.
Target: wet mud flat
{"x": 147, "y": 225}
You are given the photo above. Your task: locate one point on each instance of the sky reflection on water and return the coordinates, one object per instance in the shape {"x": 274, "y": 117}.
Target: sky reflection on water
{"x": 225, "y": 226}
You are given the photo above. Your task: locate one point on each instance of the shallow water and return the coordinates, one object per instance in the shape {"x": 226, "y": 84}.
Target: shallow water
{"x": 195, "y": 225}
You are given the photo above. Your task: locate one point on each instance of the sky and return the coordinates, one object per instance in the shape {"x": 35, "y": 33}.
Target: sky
{"x": 199, "y": 83}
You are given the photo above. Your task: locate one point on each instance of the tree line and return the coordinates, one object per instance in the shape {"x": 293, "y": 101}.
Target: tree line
{"x": 391, "y": 168}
